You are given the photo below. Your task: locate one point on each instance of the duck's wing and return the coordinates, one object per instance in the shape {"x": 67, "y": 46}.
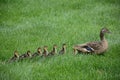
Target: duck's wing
{"x": 88, "y": 47}
{"x": 94, "y": 45}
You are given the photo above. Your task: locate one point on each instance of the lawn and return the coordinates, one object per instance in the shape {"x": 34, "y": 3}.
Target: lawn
{"x": 29, "y": 24}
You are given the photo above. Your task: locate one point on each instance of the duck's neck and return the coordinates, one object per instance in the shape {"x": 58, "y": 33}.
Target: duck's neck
{"x": 102, "y": 37}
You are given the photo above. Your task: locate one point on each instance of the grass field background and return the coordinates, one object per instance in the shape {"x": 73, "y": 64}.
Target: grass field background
{"x": 29, "y": 24}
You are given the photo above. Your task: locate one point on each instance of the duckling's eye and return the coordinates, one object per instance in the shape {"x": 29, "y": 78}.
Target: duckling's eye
{"x": 103, "y": 30}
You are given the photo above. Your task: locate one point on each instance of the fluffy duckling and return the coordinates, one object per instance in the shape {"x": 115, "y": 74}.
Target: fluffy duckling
{"x": 26, "y": 55}
{"x": 94, "y": 47}
{"x": 63, "y": 50}
{"x": 38, "y": 53}
{"x": 54, "y": 51}
{"x": 45, "y": 51}
{"x": 15, "y": 57}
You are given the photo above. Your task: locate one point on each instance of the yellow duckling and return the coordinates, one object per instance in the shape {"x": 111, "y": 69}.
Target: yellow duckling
{"x": 63, "y": 50}
{"x": 54, "y": 51}
{"x": 15, "y": 57}
{"x": 38, "y": 53}
{"x": 45, "y": 51}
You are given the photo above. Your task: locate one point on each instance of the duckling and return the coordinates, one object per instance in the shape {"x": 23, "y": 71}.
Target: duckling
{"x": 54, "y": 51}
{"x": 15, "y": 57}
{"x": 26, "y": 55}
{"x": 45, "y": 51}
{"x": 63, "y": 50}
{"x": 38, "y": 53}
{"x": 94, "y": 47}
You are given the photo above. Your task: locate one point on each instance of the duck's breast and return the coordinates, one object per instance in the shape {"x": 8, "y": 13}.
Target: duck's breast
{"x": 104, "y": 47}
{"x": 105, "y": 44}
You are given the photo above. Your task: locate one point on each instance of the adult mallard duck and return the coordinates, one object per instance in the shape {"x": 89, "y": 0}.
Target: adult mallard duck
{"x": 94, "y": 47}
{"x": 15, "y": 57}
{"x": 63, "y": 50}
{"x": 38, "y": 53}
{"x": 54, "y": 51}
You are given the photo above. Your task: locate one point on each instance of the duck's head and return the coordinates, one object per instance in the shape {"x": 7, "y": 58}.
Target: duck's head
{"x": 105, "y": 30}
{"x": 29, "y": 53}
{"x": 16, "y": 53}
{"x": 39, "y": 50}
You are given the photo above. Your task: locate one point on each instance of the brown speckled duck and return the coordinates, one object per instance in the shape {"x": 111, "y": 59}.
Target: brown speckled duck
{"x": 38, "y": 53}
{"x": 26, "y": 55}
{"x": 94, "y": 47}
{"x": 45, "y": 51}
{"x": 63, "y": 50}
{"x": 15, "y": 57}
{"x": 54, "y": 51}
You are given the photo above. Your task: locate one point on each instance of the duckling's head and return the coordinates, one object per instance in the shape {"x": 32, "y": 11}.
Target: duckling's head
{"x": 64, "y": 45}
{"x": 29, "y": 53}
{"x": 45, "y": 48}
{"x": 16, "y": 53}
{"x": 39, "y": 50}
{"x": 55, "y": 46}
{"x": 105, "y": 30}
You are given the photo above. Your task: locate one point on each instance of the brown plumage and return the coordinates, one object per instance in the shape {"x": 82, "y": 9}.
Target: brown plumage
{"x": 54, "y": 51}
{"x": 15, "y": 57}
{"x": 26, "y": 55}
{"x": 38, "y": 53}
{"x": 45, "y": 51}
{"x": 94, "y": 47}
{"x": 63, "y": 50}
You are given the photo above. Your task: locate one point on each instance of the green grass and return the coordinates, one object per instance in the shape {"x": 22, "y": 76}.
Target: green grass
{"x": 28, "y": 24}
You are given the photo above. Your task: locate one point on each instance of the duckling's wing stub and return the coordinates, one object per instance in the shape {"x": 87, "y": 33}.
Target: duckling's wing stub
{"x": 61, "y": 52}
{"x": 23, "y": 56}
{"x": 12, "y": 59}
{"x": 35, "y": 54}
